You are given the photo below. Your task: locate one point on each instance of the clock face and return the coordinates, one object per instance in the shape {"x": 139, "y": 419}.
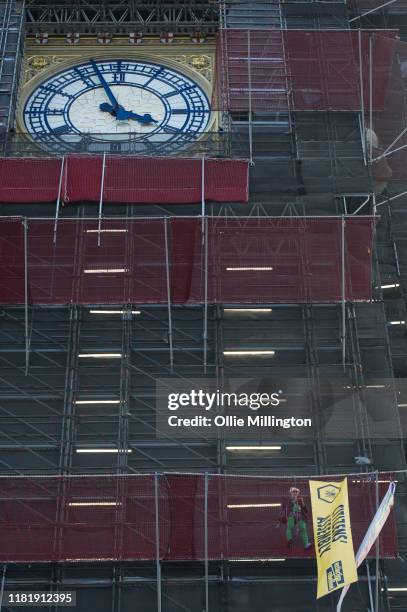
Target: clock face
{"x": 126, "y": 105}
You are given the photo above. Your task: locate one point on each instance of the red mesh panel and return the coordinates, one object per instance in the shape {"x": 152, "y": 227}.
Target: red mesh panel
{"x": 11, "y": 261}
{"x": 267, "y": 69}
{"x": 249, "y": 260}
{"x": 358, "y": 258}
{"x": 154, "y": 180}
{"x": 242, "y": 529}
{"x": 127, "y": 265}
{"x": 319, "y": 68}
{"x": 226, "y": 181}
{"x": 114, "y": 517}
{"x": 82, "y": 178}
{"x": 29, "y": 180}
{"x": 288, "y": 260}
{"x": 187, "y": 260}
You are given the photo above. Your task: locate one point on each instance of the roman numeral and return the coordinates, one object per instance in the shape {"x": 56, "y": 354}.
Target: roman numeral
{"x": 119, "y": 77}
{"x": 179, "y": 91}
{"x": 155, "y": 75}
{"x": 62, "y": 129}
{"x": 168, "y": 129}
{"x": 56, "y": 91}
{"x": 84, "y": 77}
{"x": 186, "y": 111}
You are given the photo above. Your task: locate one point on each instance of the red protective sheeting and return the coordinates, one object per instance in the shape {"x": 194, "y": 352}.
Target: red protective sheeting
{"x": 304, "y": 69}
{"x": 155, "y": 180}
{"x": 96, "y": 518}
{"x": 29, "y": 180}
{"x": 11, "y": 261}
{"x": 289, "y": 260}
{"x": 129, "y": 180}
{"x": 249, "y": 260}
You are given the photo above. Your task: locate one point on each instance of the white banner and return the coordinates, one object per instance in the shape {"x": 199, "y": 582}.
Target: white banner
{"x": 372, "y": 533}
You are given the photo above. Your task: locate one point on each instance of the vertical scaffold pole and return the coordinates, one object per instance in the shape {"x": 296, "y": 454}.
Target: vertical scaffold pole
{"x": 343, "y": 292}
{"x": 377, "y": 548}
{"x": 167, "y": 271}
{"x": 157, "y": 543}
{"x": 61, "y": 175}
{"x": 102, "y": 184}
{"x": 26, "y": 326}
{"x": 369, "y": 585}
{"x": 371, "y": 97}
{"x": 205, "y": 324}
{"x": 362, "y": 97}
{"x": 203, "y": 195}
{"x": 249, "y": 71}
{"x": 3, "y": 581}
{"x": 206, "y": 544}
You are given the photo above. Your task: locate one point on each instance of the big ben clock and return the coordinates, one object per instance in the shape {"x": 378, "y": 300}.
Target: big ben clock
{"x": 133, "y": 105}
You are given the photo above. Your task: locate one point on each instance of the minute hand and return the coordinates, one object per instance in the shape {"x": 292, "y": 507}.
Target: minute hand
{"x": 106, "y": 87}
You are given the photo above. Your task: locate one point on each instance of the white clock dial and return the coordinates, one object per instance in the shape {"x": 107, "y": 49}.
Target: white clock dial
{"x": 135, "y": 105}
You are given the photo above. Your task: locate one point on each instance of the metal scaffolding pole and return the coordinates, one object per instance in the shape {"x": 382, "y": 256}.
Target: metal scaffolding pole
{"x": 102, "y": 184}
{"x": 3, "y": 580}
{"x": 377, "y": 548}
{"x": 343, "y": 291}
{"x": 206, "y": 544}
{"x": 373, "y": 10}
{"x": 26, "y": 328}
{"x": 203, "y": 189}
{"x": 59, "y": 198}
{"x": 371, "y": 97}
{"x": 167, "y": 271}
{"x": 157, "y": 543}
{"x": 205, "y": 324}
{"x": 388, "y": 151}
{"x": 369, "y": 584}
{"x": 249, "y": 70}
{"x": 362, "y": 98}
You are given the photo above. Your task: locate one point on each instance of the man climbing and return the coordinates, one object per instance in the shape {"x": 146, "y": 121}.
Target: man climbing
{"x": 294, "y": 515}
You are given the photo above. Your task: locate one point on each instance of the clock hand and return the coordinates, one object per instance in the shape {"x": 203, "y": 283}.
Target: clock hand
{"x": 124, "y": 114}
{"x": 107, "y": 108}
{"x": 116, "y": 106}
{"x": 144, "y": 119}
{"x": 115, "y": 109}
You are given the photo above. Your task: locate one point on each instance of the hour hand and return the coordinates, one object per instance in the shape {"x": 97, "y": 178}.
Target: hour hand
{"x": 145, "y": 119}
{"x": 123, "y": 115}
{"x": 108, "y": 108}
{"x": 116, "y": 111}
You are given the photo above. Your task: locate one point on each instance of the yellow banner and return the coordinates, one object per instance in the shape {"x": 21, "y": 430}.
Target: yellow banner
{"x": 332, "y": 535}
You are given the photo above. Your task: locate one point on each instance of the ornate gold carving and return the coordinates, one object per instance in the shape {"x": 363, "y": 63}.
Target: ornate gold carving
{"x": 37, "y": 63}
{"x": 201, "y": 63}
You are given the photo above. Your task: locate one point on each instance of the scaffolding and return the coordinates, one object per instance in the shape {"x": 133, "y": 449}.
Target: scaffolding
{"x": 147, "y": 16}
{"x": 178, "y": 517}
{"x": 306, "y": 163}
{"x": 11, "y": 46}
